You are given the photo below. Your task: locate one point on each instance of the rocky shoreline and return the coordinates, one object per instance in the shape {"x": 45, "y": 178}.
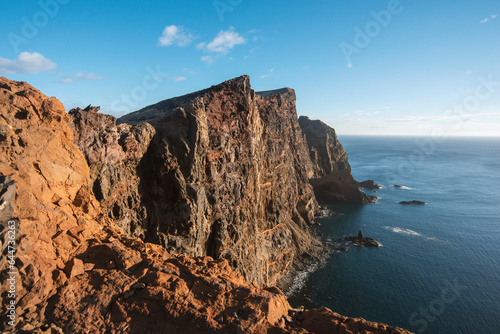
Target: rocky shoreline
{"x": 180, "y": 218}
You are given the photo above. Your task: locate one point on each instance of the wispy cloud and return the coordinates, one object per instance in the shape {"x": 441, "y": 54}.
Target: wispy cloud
{"x": 208, "y": 59}
{"x": 418, "y": 119}
{"x": 72, "y": 78}
{"x": 180, "y": 79}
{"x": 26, "y": 62}
{"x": 223, "y": 42}
{"x": 488, "y": 19}
{"x": 366, "y": 113}
{"x": 268, "y": 74}
{"x": 175, "y": 35}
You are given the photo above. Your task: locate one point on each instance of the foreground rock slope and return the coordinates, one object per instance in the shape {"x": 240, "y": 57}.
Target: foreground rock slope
{"x": 79, "y": 272}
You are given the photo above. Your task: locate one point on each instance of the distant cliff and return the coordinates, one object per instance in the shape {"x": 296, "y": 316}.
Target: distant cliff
{"x": 78, "y": 272}
{"x": 332, "y": 179}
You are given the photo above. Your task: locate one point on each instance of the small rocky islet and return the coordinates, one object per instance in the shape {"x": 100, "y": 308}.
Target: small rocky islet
{"x": 414, "y": 202}
{"x": 361, "y": 240}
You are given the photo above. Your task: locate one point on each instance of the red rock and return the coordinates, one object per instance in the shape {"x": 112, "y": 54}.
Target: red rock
{"x": 74, "y": 268}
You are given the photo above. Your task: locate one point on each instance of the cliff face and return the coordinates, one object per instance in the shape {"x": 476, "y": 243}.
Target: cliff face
{"x": 332, "y": 178}
{"x": 227, "y": 176}
{"x": 79, "y": 273}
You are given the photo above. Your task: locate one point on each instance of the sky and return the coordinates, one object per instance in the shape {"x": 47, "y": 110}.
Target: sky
{"x": 387, "y": 67}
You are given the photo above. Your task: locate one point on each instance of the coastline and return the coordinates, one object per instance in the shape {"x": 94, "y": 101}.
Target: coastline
{"x": 77, "y": 251}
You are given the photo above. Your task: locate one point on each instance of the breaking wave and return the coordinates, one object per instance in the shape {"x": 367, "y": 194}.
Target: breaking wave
{"x": 407, "y": 231}
{"x": 403, "y": 230}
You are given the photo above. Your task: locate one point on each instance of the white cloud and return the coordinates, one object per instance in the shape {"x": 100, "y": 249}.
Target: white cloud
{"x": 223, "y": 42}
{"x": 180, "y": 79}
{"x": 174, "y": 35}
{"x": 208, "y": 59}
{"x": 270, "y": 73}
{"x": 26, "y": 63}
{"x": 72, "y": 78}
{"x": 492, "y": 17}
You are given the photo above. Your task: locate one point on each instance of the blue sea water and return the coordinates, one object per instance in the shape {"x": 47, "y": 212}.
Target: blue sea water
{"x": 439, "y": 268}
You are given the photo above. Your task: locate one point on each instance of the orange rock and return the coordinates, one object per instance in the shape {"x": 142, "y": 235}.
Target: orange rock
{"x": 74, "y": 268}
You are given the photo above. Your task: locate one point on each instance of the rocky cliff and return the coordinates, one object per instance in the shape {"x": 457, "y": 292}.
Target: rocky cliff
{"x": 332, "y": 179}
{"x": 114, "y": 154}
{"x": 226, "y": 175}
{"x": 75, "y": 271}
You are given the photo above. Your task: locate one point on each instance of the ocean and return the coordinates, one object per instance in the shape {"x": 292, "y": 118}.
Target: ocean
{"x": 438, "y": 270}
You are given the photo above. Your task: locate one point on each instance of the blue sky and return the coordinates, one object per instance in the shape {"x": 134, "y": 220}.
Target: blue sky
{"x": 364, "y": 67}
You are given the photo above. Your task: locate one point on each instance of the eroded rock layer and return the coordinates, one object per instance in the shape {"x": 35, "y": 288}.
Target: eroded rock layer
{"x": 77, "y": 272}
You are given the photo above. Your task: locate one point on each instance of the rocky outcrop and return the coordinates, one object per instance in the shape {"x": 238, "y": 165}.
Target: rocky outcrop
{"x": 361, "y": 240}
{"x": 325, "y": 321}
{"x": 114, "y": 153}
{"x": 414, "y": 202}
{"x": 369, "y": 184}
{"x": 332, "y": 179}
{"x": 52, "y": 208}
{"x": 79, "y": 273}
